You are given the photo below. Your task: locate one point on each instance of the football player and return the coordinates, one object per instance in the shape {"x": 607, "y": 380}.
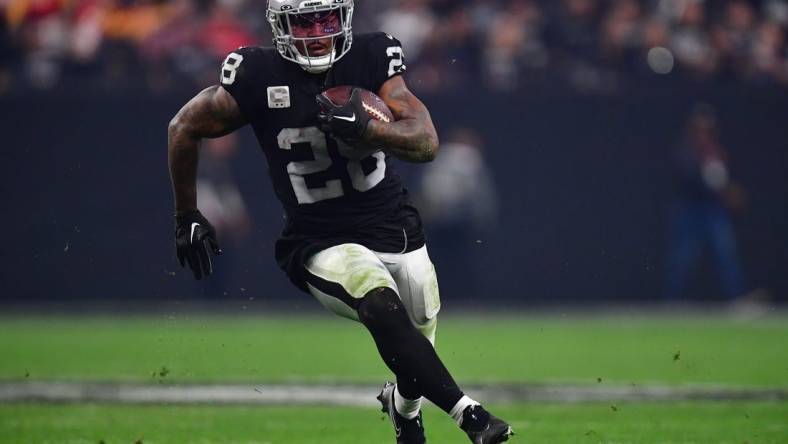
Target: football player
{"x": 351, "y": 237}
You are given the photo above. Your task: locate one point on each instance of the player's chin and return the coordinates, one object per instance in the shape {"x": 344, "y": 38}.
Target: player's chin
{"x": 317, "y": 51}
{"x": 317, "y": 48}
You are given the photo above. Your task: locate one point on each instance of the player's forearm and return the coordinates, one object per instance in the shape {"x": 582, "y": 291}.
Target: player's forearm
{"x": 410, "y": 140}
{"x": 183, "y": 158}
{"x": 211, "y": 113}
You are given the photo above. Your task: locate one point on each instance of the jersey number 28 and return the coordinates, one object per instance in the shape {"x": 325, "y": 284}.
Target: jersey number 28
{"x": 318, "y": 143}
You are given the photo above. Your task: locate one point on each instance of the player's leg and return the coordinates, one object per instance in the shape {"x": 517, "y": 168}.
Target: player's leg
{"x": 417, "y": 282}
{"x": 418, "y": 290}
{"x": 351, "y": 281}
{"x": 350, "y": 276}
{"x": 340, "y": 277}
{"x": 411, "y": 357}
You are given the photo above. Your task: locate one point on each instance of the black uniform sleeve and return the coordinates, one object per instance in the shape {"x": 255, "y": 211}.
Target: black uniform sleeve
{"x": 387, "y": 58}
{"x": 237, "y": 72}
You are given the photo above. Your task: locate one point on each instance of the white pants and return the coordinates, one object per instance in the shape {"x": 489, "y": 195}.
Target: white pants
{"x": 343, "y": 274}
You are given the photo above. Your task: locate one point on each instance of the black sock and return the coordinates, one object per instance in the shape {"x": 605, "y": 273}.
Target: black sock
{"x": 408, "y": 388}
{"x": 406, "y": 351}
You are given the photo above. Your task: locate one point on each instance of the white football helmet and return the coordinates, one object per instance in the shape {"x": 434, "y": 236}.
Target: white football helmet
{"x": 283, "y": 15}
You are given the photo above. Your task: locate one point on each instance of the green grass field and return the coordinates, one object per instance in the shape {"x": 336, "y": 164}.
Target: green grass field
{"x": 319, "y": 348}
{"x": 704, "y": 422}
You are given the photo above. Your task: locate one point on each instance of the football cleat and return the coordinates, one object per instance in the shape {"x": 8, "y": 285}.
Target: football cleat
{"x": 409, "y": 431}
{"x": 484, "y": 428}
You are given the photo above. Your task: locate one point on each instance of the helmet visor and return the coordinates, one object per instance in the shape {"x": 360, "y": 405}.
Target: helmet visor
{"x": 319, "y": 24}
{"x": 314, "y": 33}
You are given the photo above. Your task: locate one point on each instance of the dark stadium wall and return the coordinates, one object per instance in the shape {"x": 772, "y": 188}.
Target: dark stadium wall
{"x": 584, "y": 183}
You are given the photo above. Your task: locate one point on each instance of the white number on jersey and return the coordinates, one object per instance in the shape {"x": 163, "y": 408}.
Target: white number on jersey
{"x": 297, "y": 170}
{"x": 396, "y": 64}
{"x": 317, "y": 141}
{"x": 361, "y": 181}
{"x": 229, "y": 68}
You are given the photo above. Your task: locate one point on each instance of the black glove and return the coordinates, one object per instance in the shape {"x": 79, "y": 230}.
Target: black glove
{"x": 194, "y": 237}
{"x": 348, "y": 122}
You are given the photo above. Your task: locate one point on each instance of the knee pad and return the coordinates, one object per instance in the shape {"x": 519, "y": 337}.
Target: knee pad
{"x": 381, "y": 310}
{"x": 340, "y": 276}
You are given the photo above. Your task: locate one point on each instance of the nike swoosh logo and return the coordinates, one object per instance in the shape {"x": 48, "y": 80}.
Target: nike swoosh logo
{"x": 194, "y": 226}
{"x": 392, "y": 410}
{"x": 349, "y": 119}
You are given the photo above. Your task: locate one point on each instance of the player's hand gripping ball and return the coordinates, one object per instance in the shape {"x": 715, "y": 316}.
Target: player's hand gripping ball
{"x": 345, "y": 112}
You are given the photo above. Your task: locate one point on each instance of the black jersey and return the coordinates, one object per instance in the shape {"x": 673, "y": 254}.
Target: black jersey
{"x": 331, "y": 192}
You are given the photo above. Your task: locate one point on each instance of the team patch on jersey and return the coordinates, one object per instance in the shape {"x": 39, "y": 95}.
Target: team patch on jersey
{"x": 278, "y": 97}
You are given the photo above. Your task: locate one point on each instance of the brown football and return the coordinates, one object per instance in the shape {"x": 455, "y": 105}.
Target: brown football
{"x": 375, "y": 107}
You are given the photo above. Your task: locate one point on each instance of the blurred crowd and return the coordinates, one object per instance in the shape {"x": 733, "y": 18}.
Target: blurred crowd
{"x": 590, "y": 46}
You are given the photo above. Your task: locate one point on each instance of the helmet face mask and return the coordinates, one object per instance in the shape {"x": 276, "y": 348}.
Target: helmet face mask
{"x": 311, "y": 33}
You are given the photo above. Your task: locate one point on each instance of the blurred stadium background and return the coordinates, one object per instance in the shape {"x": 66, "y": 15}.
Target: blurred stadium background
{"x": 613, "y": 173}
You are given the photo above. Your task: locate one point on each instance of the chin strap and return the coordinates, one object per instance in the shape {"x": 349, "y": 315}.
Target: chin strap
{"x": 312, "y": 68}
{"x": 315, "y": 69}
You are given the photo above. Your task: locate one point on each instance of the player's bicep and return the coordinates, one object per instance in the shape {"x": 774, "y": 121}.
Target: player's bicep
{"x": 404, "y": 105}
{"x": 412, "y": 136}
{"x": 402, "y": 102}
{"x": 211, "y": 113}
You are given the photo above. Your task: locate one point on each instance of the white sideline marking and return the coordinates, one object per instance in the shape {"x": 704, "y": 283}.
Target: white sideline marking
{"x": 357, "y": 395}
